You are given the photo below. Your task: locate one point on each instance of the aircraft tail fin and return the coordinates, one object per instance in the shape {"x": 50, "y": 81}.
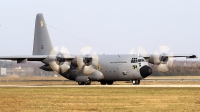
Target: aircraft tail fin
{"x": 42, "y": 43}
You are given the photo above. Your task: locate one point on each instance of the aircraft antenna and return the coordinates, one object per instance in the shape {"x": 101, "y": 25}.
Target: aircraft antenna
{"x": 97, "y": 45}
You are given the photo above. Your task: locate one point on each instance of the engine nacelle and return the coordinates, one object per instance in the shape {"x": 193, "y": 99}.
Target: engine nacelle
{"x": 74, "y": 61}
{"x": 82, "y": 78}
{"x": 96, "y": 75}
{"x": 46, "y": 68}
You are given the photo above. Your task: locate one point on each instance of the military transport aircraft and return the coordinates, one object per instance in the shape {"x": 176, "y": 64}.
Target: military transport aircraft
{"x": 89, "y": 66}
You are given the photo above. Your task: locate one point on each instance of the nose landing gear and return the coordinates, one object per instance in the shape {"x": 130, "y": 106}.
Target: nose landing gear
{"x": 136, "y": 82}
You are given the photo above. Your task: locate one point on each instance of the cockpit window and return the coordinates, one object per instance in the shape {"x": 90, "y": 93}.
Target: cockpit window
{"x": 134, "y": 60}
{"x": 141, "y": 60}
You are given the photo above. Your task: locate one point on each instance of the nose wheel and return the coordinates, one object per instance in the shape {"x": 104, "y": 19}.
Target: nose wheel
{"x": 136, "y": 82}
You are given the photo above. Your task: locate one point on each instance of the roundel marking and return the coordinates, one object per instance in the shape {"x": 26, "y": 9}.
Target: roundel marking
{"x": 41, "y": 23}
{"x": 99, "y": 67}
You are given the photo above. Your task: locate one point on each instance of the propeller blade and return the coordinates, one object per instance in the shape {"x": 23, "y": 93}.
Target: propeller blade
{"x": 54, "y": 51}
{"x": 86, "y": 50}
{"x": 163, "y": 68}
{"x": 64, "y": 51}
{"x": 170, "y": 61}
{"x": 54, "y": 66}
{"x": 88, "y": 69}
{"x": 64, "y": 67}
{"x": 141, "y": 50}
{"x": 79, "y": 60}
{"x": 164, "y": 49}
{"x": 132, "y": 51}
{"x": 95, "y": 58}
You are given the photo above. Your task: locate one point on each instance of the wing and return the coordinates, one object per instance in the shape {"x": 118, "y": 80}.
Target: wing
{"x": 163, "y": 58}
{"x": 22, "y": 59}
{"x": 146, "y": 56}
{"x": 182, "y": 55}
{"x": 29, "y": 58}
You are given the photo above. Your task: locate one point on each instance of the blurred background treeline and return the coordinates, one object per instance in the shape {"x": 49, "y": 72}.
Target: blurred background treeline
{"x": 179, "y": 68}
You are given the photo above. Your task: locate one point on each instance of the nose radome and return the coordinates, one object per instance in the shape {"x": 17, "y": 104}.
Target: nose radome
{"x": 145, "y": 71}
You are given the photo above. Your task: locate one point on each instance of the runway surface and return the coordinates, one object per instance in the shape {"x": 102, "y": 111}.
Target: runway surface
{"x": 145, "y": 80}
{"x": 133, "y": 86}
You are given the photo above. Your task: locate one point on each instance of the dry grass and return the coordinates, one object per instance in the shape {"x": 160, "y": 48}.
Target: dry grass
{"x": 99, "y": 99}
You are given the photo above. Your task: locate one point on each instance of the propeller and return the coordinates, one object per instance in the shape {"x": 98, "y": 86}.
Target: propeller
{"x": 88, "y": 60}
{"x": 163, "y": 52}
{"x": 140, "y": 50}
{"x": 58, "y": 61}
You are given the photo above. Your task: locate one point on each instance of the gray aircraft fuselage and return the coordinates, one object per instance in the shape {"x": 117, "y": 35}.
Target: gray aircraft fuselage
{"x": 116, "y": 68}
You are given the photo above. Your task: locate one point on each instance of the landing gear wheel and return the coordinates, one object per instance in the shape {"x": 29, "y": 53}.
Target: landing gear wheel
{"x": 81, "y": 83}
{"x": 103, "y": 82}
{"x": 88, "y": 82}
{"x": 136, "y": 82}
{"x": 109, "y": 82}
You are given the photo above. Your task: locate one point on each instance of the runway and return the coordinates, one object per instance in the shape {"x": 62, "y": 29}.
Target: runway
{"x": 144, "y": 80}
{"x": 109, "y": 86}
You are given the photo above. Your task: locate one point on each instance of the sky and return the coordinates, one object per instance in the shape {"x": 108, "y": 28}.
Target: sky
{"x": 108, "y": 26}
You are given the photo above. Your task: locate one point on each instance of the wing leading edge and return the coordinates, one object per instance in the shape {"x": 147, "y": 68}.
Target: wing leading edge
{"x": 21, "y": 59}
{"x": 146, "y": 56}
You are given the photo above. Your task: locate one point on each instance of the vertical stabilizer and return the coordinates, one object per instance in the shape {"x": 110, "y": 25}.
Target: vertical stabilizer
{"x": 42, "y": 43}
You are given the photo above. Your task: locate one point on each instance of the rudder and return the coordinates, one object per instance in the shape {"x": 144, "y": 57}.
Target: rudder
{"x": 42, "y": 43}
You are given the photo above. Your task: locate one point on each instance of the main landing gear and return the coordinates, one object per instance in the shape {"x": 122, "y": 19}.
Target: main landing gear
{"x": 106, "y": 82}
{"x": 85, "y": 83}
{"x": 136, "y": 82}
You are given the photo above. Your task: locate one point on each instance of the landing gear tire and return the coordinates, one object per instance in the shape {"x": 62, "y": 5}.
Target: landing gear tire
{"x": 136, "y": 82}
{"x": 109, "y": 82}
{"x": 103, "y": 82}
{"x": 88, "y": 82}
{"x": 81, "y": 83}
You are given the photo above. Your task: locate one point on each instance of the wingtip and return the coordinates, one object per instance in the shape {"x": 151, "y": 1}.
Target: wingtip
{"x": 192, "y": 56}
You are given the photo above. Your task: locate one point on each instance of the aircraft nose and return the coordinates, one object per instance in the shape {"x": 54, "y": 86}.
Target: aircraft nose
{"x": 145, "y": 71}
